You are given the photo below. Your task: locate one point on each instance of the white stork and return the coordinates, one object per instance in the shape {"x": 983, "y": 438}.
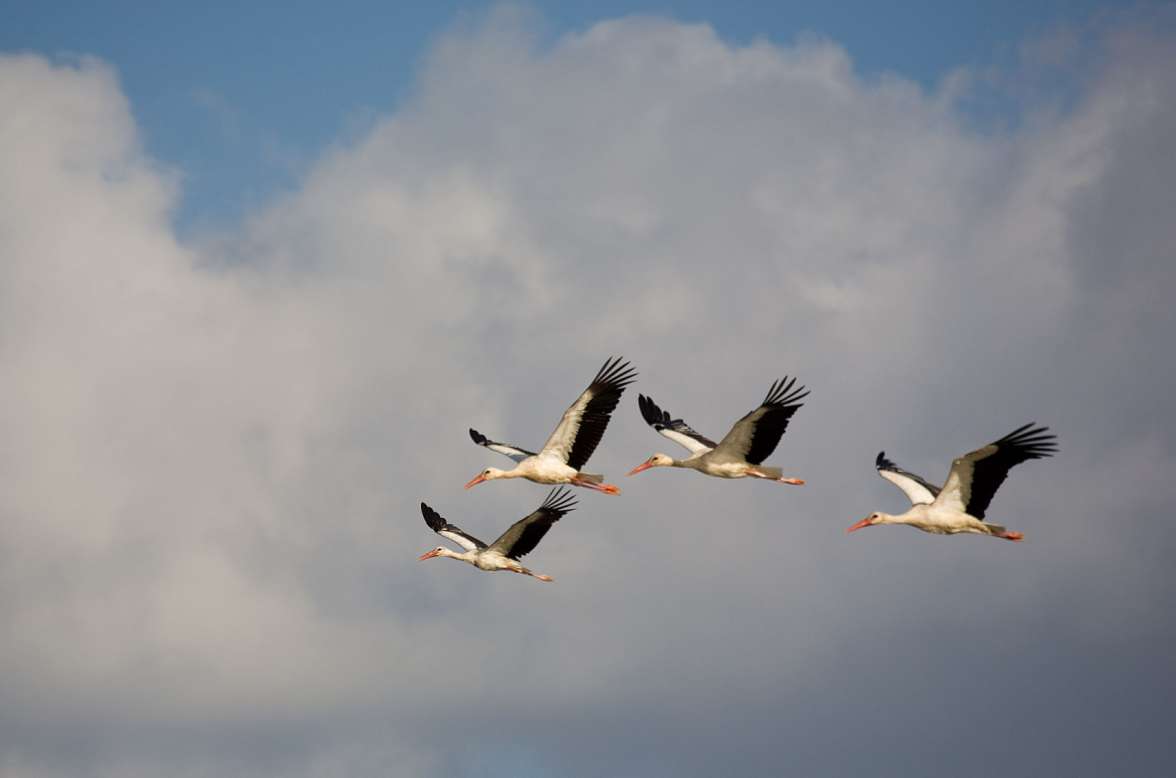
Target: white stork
{"x": 974, "y": 478}
{"x": 574, "y": 439}
{"x": 739, "y": 454}
{"x": 504, "y": 553}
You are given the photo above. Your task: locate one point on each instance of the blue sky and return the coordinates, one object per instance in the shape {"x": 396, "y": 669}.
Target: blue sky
{"x": 261, "y": 272}
{"x": 241, "y": 98}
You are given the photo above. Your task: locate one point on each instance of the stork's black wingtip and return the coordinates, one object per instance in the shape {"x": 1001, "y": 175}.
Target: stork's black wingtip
{"x": 560, "y": 500}
{"x": 650, "y": 412}
{"x": 617, "y": 372}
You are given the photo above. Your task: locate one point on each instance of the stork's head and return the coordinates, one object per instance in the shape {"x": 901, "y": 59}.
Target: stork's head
{"x": 438, "y": 551}
{"x": 876, "y": 517}
{"x": 489, "y": 474}
{"x": 657, "y": 460}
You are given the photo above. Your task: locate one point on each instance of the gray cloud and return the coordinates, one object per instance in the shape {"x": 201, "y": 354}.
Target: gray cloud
{"x": 211, "y": 453}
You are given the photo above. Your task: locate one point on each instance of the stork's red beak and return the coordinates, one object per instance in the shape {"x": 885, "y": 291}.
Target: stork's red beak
{"x": 863, "y": 523}
{"x": 641, "y": 467}
{"x": 479, "y": 478}
{"x": 427, "y": 555}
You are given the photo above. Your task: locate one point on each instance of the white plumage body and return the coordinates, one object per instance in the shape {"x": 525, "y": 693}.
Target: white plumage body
{"x": 545, "y": 469}
{"x": 721, "y": 467}
{"x": 939, "y": 520}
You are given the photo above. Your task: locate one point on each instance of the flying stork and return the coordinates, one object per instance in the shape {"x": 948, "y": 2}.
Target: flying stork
{"x": 973, "y": 480}
{"x": 745, "y": 447}
{"x": 574, "y": 439}
{"x": 516, "y": 542}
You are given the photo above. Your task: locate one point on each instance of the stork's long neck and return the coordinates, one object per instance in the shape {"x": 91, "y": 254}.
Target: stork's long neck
{"x": 910, "y": 517}
{"x": 515, "y": 472}
{"x": 462, "y": 556}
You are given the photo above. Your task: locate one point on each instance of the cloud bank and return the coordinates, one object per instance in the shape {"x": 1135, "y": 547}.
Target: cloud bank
{"x": 211, "y": 453}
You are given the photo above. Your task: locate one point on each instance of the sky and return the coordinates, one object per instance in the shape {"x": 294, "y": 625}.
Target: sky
{"x": 260, "y": 273}
{"x": 242, "y": 100}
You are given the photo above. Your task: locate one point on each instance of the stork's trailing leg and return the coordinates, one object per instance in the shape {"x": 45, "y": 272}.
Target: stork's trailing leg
{"x": 606, "y": 488}
{"x": 540, "y": 576}
{"x": 773, "y": 474}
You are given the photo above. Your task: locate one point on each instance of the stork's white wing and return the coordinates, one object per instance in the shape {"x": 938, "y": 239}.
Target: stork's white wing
{"x": 460, "y": 538}
{"x": 438, "y": 524}
{"x": 514, "y": 452}
{"x": 673, "y": 429}
{"x": 693, "y": 445}
{"x": 918, "y": 490}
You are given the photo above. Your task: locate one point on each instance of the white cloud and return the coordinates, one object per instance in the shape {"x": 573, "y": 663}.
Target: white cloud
{"x": 211, "y": 454}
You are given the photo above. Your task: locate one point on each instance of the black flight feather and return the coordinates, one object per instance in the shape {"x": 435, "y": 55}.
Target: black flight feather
{"x": 606, "y": 389}
{"x": 525, "y": 534}
{"x": 990, "y": 470}
{"x": 778, "y": 406}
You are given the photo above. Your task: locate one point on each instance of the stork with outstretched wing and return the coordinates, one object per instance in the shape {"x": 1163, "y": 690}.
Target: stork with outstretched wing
{"x": 505, "y": 552}
{"x": 575, "y": 437}
{"x": 741, "y": 452}
{"x": 961, "y": 505}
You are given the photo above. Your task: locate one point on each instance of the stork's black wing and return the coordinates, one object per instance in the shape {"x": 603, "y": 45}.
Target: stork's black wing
{"x": 525, "y": 534}
{"x": 584, "y": 422}
{"x": 975, "y": 477}
{"x": 756, "y": 435}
